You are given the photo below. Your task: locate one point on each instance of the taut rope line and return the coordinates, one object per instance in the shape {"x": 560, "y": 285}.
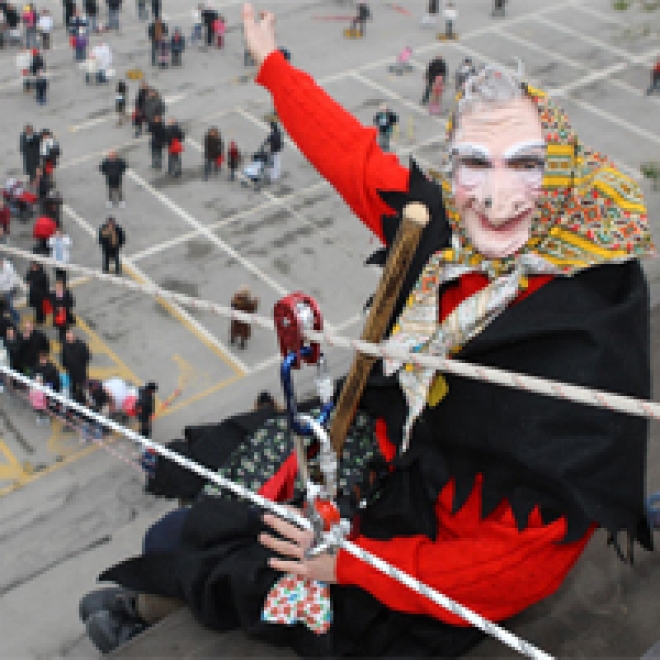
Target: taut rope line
{"x": 575, "y": 393}
{"x": 488, "y": 627}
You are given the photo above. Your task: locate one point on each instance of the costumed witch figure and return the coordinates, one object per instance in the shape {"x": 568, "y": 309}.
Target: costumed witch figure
{"x": 530, "y": 263}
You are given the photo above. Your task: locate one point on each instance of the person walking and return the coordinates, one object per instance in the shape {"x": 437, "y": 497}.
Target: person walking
{"x": 138, "y": 108}
{"x": 196, "y": 34}
{"x": 76, "y": 357}
{"x": 32, "y": 342}
{"x": 275, "y": 145}
{"x": 359, "y": 23}
{"x": 499, "y": 8}
{"x": 450, "y": 14}
{"x": 437, "y": 67}
{"x": 113, "y": 168}
{"x": 157, "y": 31}
{"x": 38, "y": 290}
{"x": 209, "y": 17}
{"x": 62, "y": 303}
{"x": 60, "y": 250}
{"x": 143, "y": 14}
{"x": 655, "y": 79}
{"x": 29, "y": 144}
{"x": 159, "y": 138}
{"x": 111, "y": 239}
{"x": 69, "y": 7}
{"x": 29, "y": 18}
{"x": 175, "y": 138}
{"x": 385, "y": 120}
{"x": 41, "y": 88}
{"x": 212, "y": 152}
{"x": 121, "y": 95}
{"x": 114, "y": 7}
{"x": 45, "y": 28}
{"x": 92, "y": 12}
{"x": 464, "y": 71}
{"x": 233, "y": 159}
{"x": 153, "y": 106}
{"x": 8, "y": 287}
{"x": 177, "y": 46}
{"x": 431, "y": 15}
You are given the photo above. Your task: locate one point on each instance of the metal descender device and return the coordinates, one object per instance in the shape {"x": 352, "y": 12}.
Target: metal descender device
{"x": 294, "y": 315}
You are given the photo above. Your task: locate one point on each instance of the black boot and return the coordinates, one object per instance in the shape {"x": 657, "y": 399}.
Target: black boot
{"x": 114, "y": 625}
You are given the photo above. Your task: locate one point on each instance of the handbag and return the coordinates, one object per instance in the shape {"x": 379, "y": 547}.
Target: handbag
{"x": 175, "y": 147}
{"x": 46, "y": 307}
{"x": 219, "y": 160}
{"x": 60, "y": 316}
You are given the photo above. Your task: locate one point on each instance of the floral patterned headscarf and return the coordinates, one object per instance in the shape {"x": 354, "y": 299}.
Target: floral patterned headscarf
{"x": 589, "y": 212}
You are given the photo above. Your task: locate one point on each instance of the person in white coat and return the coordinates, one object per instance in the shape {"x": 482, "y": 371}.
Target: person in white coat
{"x": 45, "y": 27}
{"x": 9, "y": 283}
{"x": 103, "y": 56}
{"x": 60, "y": 250}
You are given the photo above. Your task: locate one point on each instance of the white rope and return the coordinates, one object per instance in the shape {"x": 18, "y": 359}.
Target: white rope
{"x": 490, "y": 628}
{"x": 552, "y": 388}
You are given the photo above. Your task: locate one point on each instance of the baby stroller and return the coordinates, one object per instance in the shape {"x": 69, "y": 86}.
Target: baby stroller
{"x": 20, "y": 201}
{"x": 163, "y": 54}
{"x": 257, "y": 169}
{"x": 402, "y": 64}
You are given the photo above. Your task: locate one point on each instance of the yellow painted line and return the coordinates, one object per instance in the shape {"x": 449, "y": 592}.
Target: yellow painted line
{"x": 200, "y": 395}
{"x": 10, "y": 469}
{"x": 227, "y": 359}
{"x": 51, "y": 468}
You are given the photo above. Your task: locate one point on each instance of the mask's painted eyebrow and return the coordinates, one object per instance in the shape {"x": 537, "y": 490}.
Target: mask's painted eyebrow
{"x": 469, "y": 149}
{"x": 529, "y": 148}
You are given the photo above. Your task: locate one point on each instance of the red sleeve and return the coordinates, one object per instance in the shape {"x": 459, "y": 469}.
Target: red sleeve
{"x": 342, "y": 150}
{"x": 488, "y": 565}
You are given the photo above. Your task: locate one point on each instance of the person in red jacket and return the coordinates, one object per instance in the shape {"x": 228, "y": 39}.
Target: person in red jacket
{"x": 530, "y": 262}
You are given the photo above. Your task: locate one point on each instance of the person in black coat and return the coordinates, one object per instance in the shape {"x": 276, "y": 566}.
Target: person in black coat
{"x": 209, "y": 16}
{"x": 38, "y": 290}
{"x": 177, "y": 46}
{"x": 69, "y": 7}
{"x": 159, "y": 138}
{"x": 12, "y": 341}
{"x": 75, "y": 361}
{"x": 113, "y": 168}
{"x": 146, "y": 407}
{"x": 92, "y": 11}
{"x": 38, "y": 63}
{"x": 30, "y": 143}
{"x": 62, "y": 302}
{"x": 138, "y": 110}
{"x": 437, "y": 67}
{"x": 111, "y": 240}
{"x": 32, "y": 342}
{"x": 213, "y": 149}
{"x": 48, "y": 371}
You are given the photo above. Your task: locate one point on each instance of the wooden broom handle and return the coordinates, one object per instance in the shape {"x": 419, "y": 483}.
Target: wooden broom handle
{"x": 415, "y": 218}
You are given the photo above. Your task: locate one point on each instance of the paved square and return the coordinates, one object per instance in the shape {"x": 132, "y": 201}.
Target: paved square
{"x": 207, "y": 239}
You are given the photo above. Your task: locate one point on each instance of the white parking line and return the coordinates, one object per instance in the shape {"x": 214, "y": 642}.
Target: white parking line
{"x": 592, "y": 77}
{"x": 194, "y": 323}
{"x": 575, "y": 63}
{"x": 205, "y": 231}
{"x": 581, "y": 37}
{"x": 183, "y": 238}
{"x": 169, "y": 100}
